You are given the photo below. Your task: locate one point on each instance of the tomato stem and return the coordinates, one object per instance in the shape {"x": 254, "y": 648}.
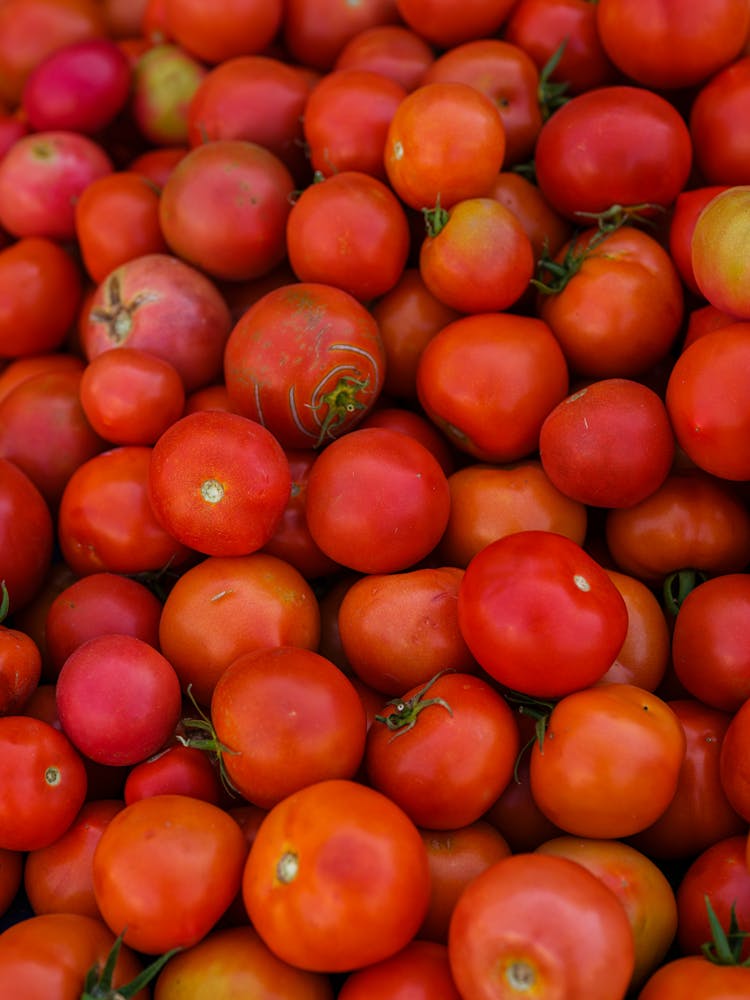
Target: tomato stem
{"x": 552, "y": 95}
{"x": 4, "y": 602}
{"x": 342, "y": 402}
{"x": 677, "y": 586}
{"x": 435, "y": 218}
{"x": 210, "y": 742}
{"x": 406, "y": 710}
{"x": 98, "y": 982}
{"x": 725, "y": 947}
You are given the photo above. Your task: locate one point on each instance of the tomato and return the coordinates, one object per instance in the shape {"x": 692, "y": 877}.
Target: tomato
{"x": 106, "y": 522}
{"x": 235, "y": 961}
{"x": 546, "y": 229}
{"x": 444, "y": 26}
{"x": 587, "y": 772}
{"x": 672, "y": 46}
{"x": 245, "y": 243}
{"x": 445, "y": 142}
{"x": 333, "y": 368}
{"x": 377, "y": 500}
{"x": 117, "y": 220}
{"x": 219, "y": 482}
{"x": 617, "y": 145}
{"x": 476, "y": 257}
{"x": 226, "y": 606}
{"x": 639, "y": 884}
{"x": 160, "y": 304}
{"x": 717, "y": 123}
{"x": 697, "y": 977}
{"x": 343, "y": 849}
{"x": 44, "y": 783}
{"x": 229, "y": 29}
{"x": 618, "y": 306}
{"x": 716, "y": 254}
{"x": 644, "y": 656}
{"x": 175, "y": 770}
{"x": 50, "y": 955}
{"x": 398, "y": 630}
{"x": 26, "y": 535}
{"x": 58, "y": 878}
{"x": 543, "y": 923}
{"x": 687, "y": 207}
{"x": 351, "y": 232}
{"x": 20, "y": 668}
{"x": 165, "y": 869}
{"x": 734, "y": 771}
{"x": 398, "y": 418}
{"x": 346, "y": 121}
{"x": 462, "y": 367}
{"x": 692, "y": 521}
{"x": 414, "y": 742}
{"x": 421, "y": 969}
{"x": 157, "y": 164}
{"x": 315, "y": 31}
{"x": 158, "y": 112}
{"x": 393, "y": 50}
{"x": 608, "y": 445}
{"x": 705, "y": 319}
{"x": 574, "y": 617}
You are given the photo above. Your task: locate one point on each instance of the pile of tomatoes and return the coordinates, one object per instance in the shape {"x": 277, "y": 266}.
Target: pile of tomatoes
{"x": 374, "y": 508}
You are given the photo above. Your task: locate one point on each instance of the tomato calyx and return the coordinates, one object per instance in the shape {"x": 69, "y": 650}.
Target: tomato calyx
{"x": 200, "y": 733}
{"x": 678, "y": 585}
{"x": 616, "y": 216}
{"x": 406, "y": 710}
{"x": 550, "y": 94}
{"x": 435, "y": 219}
{"x": 98, "y": 982}
{"x": 116, "y": 314}
{"x": 537, "y": 709}
{"x": 341, "y": 402}
{"x": 4, "y": 601}
{"x": 725, "y": 947}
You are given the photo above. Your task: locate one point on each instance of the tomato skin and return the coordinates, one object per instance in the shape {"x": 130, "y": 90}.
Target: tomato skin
{"x": 20, "y": 669}
{"x": 644, "y": 657}
{"x": 717, "y": 123}
{"x": 315, "y": 31}
{"x": 445, "y": 26}
{"x": 165, "y": 869}
{"x": 586, "y": 775}
{"x": 343, "y": 849}
{"x": 176, "y": 770}
{"x": 734, "y": 771}
{"x": 44, "y": 783}
{"x": 539, "y": 921}
{"x": 716, "y": 251}
{"x": 231, "y": 29}
{"x": 687, "y": 207}
{"x": 698, "y": 978}
{"x": 392, "y": 50}
{"x": 26, "y": 535}
{"x": 421, "y": 969}
{"x": 575, "y": 618}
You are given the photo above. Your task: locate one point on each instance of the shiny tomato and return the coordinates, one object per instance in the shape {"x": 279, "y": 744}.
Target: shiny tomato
{"x": 575, "y": 619}
{"x": 230, "y": 29}
{"x": 176, "y": 770}
{"x": 718, "y": 124}
{"x": 644, "y": 657}
{"x": 587, "y": 772}
{"x": 459, "y": 372}
{"x": 543, "y": 923}
{"x": 26, "y": 535}
{"x": 545, "y": 227}
{"x": 687, "y": 207}
{"x": 20, "y": 668}
{"x": 444, "y": 25}
{"x": 342, "y": 848}
{"x": 393, "y": 50}
{"x": 315, "y": 31}
{"x": 421, "y": 969}
{"x": 165, "y": 869}
{"x": 719, "y": 268}
{"x": 697, "y": 977}
{"x": 408, "y": 421}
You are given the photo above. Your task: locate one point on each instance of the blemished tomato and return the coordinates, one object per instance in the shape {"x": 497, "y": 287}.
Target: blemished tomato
{"x": 377, "y": 500}
{"x": 231, "y": 28}
{"x": 165, "y": 869}
{"x": 445, "y": 142}
{"x": 232, "y": 961}
{"x": 587, "y": 772}
{"x": 489, "y": 380}
{"x": 414, "y": 743}
{"x": 26, "y": 535}
{"x": 44, "y": 783}
{"x": 574, "y": 619}
{"x": 639, "y": 884}
{"x": 219, "y": 482}
{"x": 608, "y": 445}
{"x": 718, "y": 124}
{"x": 398, "y": 630}
{"x": 288, "y": 718}
{"x": 333, "y": 370}
{"x": 341, "y": 848}
{"x": 421, "y": 969}
{"x": 349, "y": 231}
{"x": 542, "y": 923}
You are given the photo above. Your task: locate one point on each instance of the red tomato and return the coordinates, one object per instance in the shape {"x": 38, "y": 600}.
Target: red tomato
{"x": 544, "y": 923}
{"x": 645, "y": 655}
{"x": 719, "y": 267}
{"x": 230, "y": 28}
{"x": 734, "y": 761}
{"x": 444, "y": 25}
{"x": 333, "y": 368}
{"x": 718, "y": 124}
{"x": 574, "y": 619}
{"x": 20, "y": 668}
{"x": 377, "y": 500}
{"x": 697, "y": 977}
{"x": 687, "y": 207}
{"x": 392, "y": 50}
{"x": 546, "y": 229}
{"x": 349, "y": 231}
{"x": 459, "y": 372}
{"x": 165, "y": 869}
{"x": 219, "y": 482}
{"x": 410, "y": 422}
{"x": 247, "y": 242}
{"x": 362, "y": 914}
{"x": 43, "y": 780}
{"x": 315, "y": 31}
{"x": 421, "y": 969}
{"x": 176, "y": 770}
{"x": 587, "y": 773}
{"x": 26, "y": 535}
{"x": 413, "y": 745}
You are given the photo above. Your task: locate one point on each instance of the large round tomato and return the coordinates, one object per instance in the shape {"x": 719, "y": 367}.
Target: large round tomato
{"x": 541, "y": 615}
{"x": 229, "y": 29}
{"x": 26, "y": 535}
{"x": 718, "y": 251}
{"x": 697, "y": 977}
{"x": 718, "y": 122}
{"x": 421, "y": 969}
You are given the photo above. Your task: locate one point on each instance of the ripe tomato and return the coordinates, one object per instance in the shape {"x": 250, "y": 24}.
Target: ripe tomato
{"x": 718, "y": 124}
{"x": 574, "y": 617}
{"x": 349, "y": 231}
{"x": 685, "y": 212}
{"x": 158, "y": 112}
{"x": 219, "y": 482}
{"x": 587, "y": 773}
{"x": 26, "y": 535}
{"x": 544, "y": 923}
{"x": 445, "y": 142}
{"x": 315, "y": 31}
{"x": 697, "y": 977}
{"x": 489, "y": 380}
{"x": 445, "y": 26}
{"x": 421, "y": 969}
{"x": 341, "y": 848}
{"x": 43, "y": 781}
{"x": 176, "y": 770}
{"x": 608, "y": 445}
{"x": 226, "y": 606}
{"x": 719, "y": 267}
{"x": 412, "y": 747}
{"x": 408, "y": 421}
{"x": 398, "y": 630}
{"x": 734, "y": 761}
{"x": 230, "y": 29}
{"x": 333, "y": 363}
{"x": 545, "y": 227}
{"x": 20, "y": 668}
{"x": 377, "y": 500}
{"x": 165, "y": 869}
{"x": 619, "y": 145}
{"x": 393, "y": 50}
{"x": 644, "y": 657}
